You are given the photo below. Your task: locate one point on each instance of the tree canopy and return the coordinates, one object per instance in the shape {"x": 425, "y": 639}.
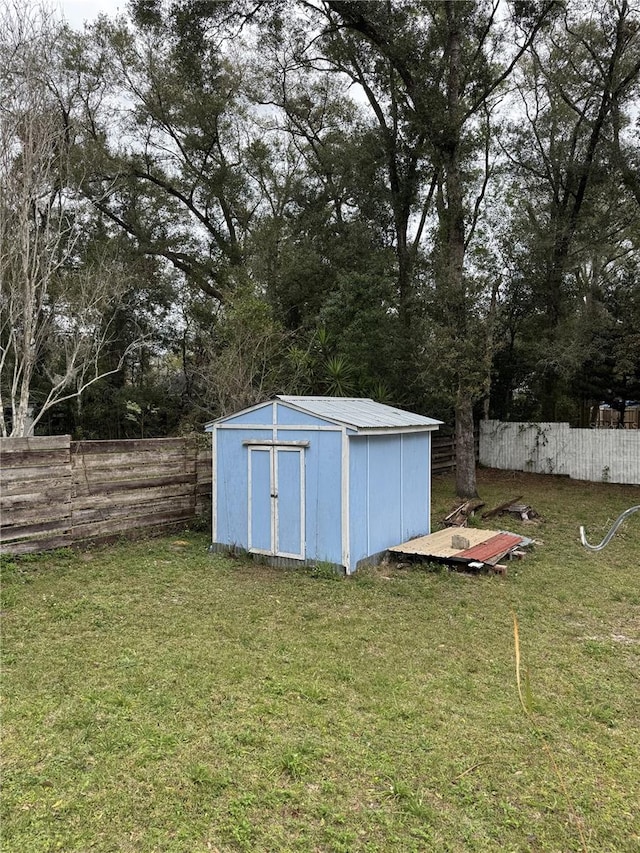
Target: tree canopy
{"x": 433, "y": 203}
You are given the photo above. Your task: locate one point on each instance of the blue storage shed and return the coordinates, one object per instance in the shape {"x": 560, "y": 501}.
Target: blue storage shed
{"x": 313, "y": 479}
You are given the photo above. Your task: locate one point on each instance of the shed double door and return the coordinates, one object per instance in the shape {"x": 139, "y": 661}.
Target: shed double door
{"x": 276, "y": 501}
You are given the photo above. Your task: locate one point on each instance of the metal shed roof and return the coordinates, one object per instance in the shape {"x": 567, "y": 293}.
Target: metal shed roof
{"x": 360, "y": 412}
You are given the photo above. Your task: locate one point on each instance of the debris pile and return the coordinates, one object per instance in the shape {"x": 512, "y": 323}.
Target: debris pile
{"x": 474, "y": 549}
{"x": 513, "y": 507}
{"x": 459, "y": 516}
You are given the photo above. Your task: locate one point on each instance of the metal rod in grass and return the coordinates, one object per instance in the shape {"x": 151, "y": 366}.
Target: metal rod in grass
{"x": 526, "y": 700}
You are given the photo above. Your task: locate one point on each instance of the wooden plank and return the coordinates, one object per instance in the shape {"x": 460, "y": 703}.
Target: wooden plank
{"x": 130, "y": 473}
{"x": 32, "y": 546}
{"x": 490, "y": 513}
{"x": 133, "y": 498}
{"x": 146, "y": 532}
{"x": 115, "y": 487}
{"x": 34, "y": 531}
{"x": 110, "y": 513}
{"x": 34, "y": 442}
{"x": 11, "y": 503}
{"x": 44, "y": 472}
{"x": 443, "y": 466}
{"x": 103, "y": 460}
{"x": 33, "y": 458}
{"x": 22, "y": 487}
{"x": 34, "y": 514}
{"x": 114, "y": 526}
{"x": 460, "y": 514}
{"x": 132, "y": 445}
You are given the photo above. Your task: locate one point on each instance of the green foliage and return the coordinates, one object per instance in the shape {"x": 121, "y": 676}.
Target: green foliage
{"x": 222, "y": 162}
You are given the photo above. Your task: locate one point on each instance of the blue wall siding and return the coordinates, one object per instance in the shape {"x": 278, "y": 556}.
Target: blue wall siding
{"x": 358, "y": 499}
{"x": 232, "y": 485}
{"x": 289, "y": 533}
{"x": 416, "y": 473}
{"x": 262, "y": 415}
{"x": 323, "y": 506}
{"x": 389, "y": 491}
{"x": 290, "y": 417}
{"x": 385, "y": 505}
{"x": 260, "y": 533}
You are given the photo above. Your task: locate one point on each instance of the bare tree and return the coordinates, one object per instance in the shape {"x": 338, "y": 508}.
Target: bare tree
{"x": 53, "y": 309}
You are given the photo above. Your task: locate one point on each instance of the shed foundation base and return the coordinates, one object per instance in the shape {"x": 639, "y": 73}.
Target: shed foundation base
{"x": 280, "y": 562}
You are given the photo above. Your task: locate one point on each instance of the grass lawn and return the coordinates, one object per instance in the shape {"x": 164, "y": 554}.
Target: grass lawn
{"x": 157, "y": 698}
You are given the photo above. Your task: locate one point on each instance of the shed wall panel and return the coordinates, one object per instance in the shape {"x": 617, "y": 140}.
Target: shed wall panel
{"x": 260, "y": 534}
{"x": 290, "y": 540}
{"x": 385, "y": 505}
{"x": 323, "y": 503}
{"x": 416, "y": 486}
{"x": 232, "y": 485}
{"x": 358, "y": 499}
{"x": 261, "y": 415}
{"x": 290, "y": 417}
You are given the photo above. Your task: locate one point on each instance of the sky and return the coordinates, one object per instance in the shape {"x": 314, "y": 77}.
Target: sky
{"x": 76, "y": 12}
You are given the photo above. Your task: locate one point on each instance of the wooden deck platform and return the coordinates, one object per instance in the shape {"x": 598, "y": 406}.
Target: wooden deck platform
{"x": 483, "y": 545}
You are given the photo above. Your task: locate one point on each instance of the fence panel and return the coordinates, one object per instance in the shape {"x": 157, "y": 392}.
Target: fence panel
{"x": 55, "y": 492}
{"x": 443, "y": 451}
{"x": 35, "y": 496}
{"x": 610, "y": 456}
{"x": 121, "y": 486}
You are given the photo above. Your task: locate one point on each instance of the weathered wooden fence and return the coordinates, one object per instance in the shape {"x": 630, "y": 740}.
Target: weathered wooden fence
{"x": 56, "y": 491}
{"x": 443, "y": 451}
{"x": 598, "y": 455}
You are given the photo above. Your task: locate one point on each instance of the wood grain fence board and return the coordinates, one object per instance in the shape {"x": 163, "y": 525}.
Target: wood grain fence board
{"x": 23, "y": 487}
{"x": 36, "y": 488}
{"x": 100, "y": 460}
{"x": 44, "y": 472}
{"x": 204, "y": 472}
{"x": 148, "y": 531}
{"x": 135, "y": 445}
{"x": 110, "y": 513}
{"x": 443, "y": 452}
{"x": 33, "y": 515}
{"x": 35, "y": 531}
{"x": 113, "y": 527}
{"x": 12, "y": 503}
{"x": 132, "y": 473}
{"x": 115, "y": 487}
{"x": 31, "y": 546}
{"x": 36, "y": 442}
{"x": 133, "y": 498}
{"x": 56, "y": 491}
{"x": 33, "y": 458}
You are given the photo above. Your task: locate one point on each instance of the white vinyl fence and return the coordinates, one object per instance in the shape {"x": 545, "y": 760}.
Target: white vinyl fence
{"x": 598, "y": 455}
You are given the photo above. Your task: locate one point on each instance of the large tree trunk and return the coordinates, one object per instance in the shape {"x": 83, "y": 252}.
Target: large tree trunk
{"x": 465, "y": 448}
{"x": 454, "y": 228}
